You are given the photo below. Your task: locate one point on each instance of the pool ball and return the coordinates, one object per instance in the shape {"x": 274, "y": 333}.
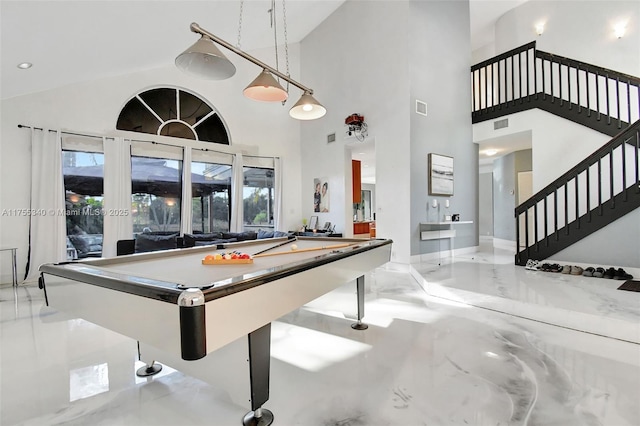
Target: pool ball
{"x": 294, "y": 247}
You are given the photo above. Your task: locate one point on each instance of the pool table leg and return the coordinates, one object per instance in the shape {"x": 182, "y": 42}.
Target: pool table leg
{"x": 360, "y": 288}
{"x": 259, "y": 366}
{"x": 149, "y": 369}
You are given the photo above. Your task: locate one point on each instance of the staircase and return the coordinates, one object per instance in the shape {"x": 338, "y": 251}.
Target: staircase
{"x": 600, "y": 189}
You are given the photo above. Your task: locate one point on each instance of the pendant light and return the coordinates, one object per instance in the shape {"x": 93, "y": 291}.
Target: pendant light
{"x": 307, "y": 108}
{"x": 265, "y": 88}
{"x": 205, "y": 60}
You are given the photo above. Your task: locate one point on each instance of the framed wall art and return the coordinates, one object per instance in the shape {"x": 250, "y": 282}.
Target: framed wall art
{"x": 313, "y": 222}
{"x": 440, "y": 175}
{"x": 321, "y": 195}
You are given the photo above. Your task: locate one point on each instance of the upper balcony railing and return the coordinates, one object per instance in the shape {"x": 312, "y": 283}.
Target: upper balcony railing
{"x": 525, "y": 78}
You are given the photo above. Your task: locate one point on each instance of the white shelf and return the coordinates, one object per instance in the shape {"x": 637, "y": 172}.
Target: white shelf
{"x": 449, "y": 222}
{"x": 439, "y": 233}
{"x": 436, "y": 235}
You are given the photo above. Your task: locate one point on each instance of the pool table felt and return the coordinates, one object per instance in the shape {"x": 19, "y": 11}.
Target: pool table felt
{"x": 186, "y": 266}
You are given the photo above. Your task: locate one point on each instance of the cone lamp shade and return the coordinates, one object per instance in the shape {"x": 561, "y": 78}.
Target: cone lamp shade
{"x": 205, "y": 60}
{"x": 307, "y": 108}
{"x": 265, "y": 88}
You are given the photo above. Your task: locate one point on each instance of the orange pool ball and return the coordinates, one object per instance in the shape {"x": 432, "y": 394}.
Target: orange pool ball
{"x": 209, "y": 257}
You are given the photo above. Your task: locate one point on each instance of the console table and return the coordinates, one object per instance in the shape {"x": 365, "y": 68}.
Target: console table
{"x": 439, "y": 231}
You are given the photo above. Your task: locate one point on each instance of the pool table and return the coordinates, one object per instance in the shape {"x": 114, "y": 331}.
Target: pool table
{"x": 212, "y": 321}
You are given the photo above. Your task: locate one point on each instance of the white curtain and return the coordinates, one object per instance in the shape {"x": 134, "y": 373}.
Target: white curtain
{"x": 278, "y": 220}
{"x": 187, "y": 206}
{"x": 118, "y": 222}
{"x": 237, "y": 184}
{"x": 47, "y": 227}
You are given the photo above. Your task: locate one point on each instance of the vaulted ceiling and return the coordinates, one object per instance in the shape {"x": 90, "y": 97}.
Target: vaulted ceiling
{"x": 82, "y": 40}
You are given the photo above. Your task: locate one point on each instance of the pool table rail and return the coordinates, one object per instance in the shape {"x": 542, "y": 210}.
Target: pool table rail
{"x": 91, "y": 272}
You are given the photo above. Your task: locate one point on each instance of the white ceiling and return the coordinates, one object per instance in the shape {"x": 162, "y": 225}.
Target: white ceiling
{"x": 503, "y": 145}
{"x": 74, "y": 41}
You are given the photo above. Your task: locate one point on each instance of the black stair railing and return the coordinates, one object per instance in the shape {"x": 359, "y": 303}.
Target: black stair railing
{"x": 526, "y": 78}
{"x": 598, "y": 190}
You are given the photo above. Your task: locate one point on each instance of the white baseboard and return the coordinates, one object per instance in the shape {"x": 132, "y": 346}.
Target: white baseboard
{"x": 505, "y": 244}
{"x": 425, "y": 257}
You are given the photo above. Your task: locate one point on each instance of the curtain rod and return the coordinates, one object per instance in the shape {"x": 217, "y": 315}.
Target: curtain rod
{"x": 22, "y": 126}
{"x": 258, "y": 156}
{"x": 183, "y": 147}
{"x": 202, "y": 149}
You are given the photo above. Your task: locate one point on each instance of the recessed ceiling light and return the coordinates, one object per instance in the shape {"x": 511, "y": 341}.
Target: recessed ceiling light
{"x": 490, "y": 152}
{"x": 619, "y": 29}
{"x": 25, "y": 65}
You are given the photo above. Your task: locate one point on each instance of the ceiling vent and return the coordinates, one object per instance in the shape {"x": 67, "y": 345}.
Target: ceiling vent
{"x": 421, "y": 107}
{"x": 500, "y": 124}
{"x": 331, "y": 138}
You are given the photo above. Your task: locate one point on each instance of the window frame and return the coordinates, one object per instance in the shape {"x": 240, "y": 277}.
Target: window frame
{"x": 163, "y": 123}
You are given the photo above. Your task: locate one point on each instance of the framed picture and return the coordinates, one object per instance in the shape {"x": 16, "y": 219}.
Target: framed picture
{"x": 440, "y": 175}
{"x": 313, "y": 222}
{"x": 321, "y": 195}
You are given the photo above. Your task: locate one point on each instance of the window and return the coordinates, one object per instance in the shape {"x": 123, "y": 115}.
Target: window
{"x": 83, "y": 183}
{"x": 156, "y": 194}
{"x": 258, "y": 198}
{"x": 173, "y": 112}
{"x": 211, "y": 190}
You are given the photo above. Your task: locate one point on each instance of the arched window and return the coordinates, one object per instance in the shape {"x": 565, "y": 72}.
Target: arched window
{"x": 173, "y": 112}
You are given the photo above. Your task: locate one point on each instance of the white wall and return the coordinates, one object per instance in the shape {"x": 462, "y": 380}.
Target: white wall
{"x": 615, "y": 245}
{"x": 557, "y": 144}
{"x": 439, "y": 74}
{"x": 93, "y": 107}
{"x": 341, "y": 60}
{"x": 581, "y": 30}
{"x": 483, "y": 53}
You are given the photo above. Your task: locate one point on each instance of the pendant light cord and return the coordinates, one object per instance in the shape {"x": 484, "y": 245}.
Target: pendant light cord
{"x": 286, "y": 43}
{"x": 274, "y": 25}
{"x": 240, "y": 24}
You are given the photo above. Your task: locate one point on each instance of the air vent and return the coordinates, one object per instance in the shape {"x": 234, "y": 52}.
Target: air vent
{"x": 331, "y": 138}
{"x": 500, "y": 124}
{"x": 421, "y": 107}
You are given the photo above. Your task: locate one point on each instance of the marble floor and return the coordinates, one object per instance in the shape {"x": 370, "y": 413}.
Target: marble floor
{"x": 433, "y": 355}
{"x": 488, "y": 279}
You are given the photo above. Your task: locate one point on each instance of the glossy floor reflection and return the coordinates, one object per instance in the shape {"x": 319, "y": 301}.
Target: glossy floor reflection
{"x": 423, "y": 361}
{"x": 489, "y": 279}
